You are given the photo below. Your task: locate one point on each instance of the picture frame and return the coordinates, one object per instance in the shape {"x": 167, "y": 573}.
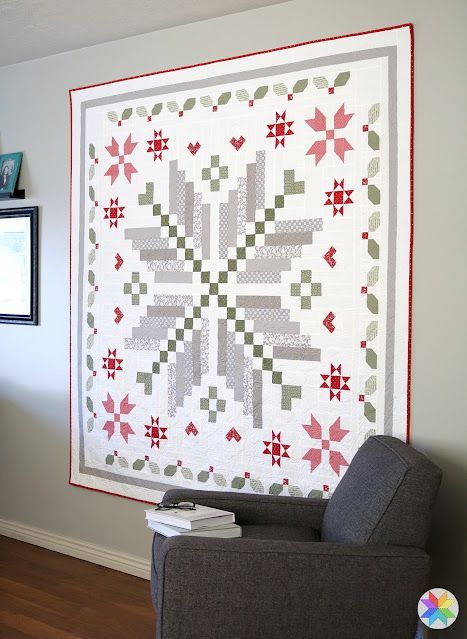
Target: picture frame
{"x": 10, "y": 166}
{"x": 19, "y": 266}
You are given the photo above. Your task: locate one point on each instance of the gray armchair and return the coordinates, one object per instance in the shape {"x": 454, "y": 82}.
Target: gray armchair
{"x": 353, "y": 566}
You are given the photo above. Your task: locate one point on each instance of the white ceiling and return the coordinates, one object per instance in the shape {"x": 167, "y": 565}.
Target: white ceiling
{"x": 36, "y": 28}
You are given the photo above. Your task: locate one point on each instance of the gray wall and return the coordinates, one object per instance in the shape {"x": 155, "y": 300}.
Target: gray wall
{"x": 34, "y": 360}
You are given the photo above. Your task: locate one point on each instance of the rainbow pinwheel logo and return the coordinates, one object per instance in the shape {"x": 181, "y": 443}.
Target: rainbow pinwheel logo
{"x": 438, "y": 608}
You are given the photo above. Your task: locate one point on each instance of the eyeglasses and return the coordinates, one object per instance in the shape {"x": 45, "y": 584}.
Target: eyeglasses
{"x": 181, "y": 505}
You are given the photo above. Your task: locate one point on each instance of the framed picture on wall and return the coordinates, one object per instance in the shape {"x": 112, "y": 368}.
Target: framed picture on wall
{"x": 19, "y": 265}
{"x": 10, "y": 165}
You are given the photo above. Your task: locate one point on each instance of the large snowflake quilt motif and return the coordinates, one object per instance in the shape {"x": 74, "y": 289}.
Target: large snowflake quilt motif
{"x": 240, "y": 269}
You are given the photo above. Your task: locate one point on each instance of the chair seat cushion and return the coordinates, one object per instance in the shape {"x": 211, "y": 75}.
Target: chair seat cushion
{"x": 276, "y": 531}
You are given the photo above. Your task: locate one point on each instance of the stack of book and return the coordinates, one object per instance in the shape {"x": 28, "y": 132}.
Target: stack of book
{"x": 201, "y": 522}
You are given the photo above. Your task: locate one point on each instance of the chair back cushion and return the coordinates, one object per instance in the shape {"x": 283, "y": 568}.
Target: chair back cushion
{"x": 385, "y": 497}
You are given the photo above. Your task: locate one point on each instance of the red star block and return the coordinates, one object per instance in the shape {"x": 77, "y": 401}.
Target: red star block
{"x": 155, "y": 432}
{"x": 280, "y": 129}
{"x": 276, "y": 449}
{"x": 114, "y": 212}
{"x": 112, "y": 363}
{"x": 338, "y": 197}
{"x": 335, "y": 382}
{"x": 158, "y": 145}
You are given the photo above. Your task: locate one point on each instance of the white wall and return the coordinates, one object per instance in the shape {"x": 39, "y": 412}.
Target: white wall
{"x": 34, "y": 118}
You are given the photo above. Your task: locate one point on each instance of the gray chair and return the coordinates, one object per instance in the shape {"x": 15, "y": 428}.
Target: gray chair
{"x": 353, "y": 566}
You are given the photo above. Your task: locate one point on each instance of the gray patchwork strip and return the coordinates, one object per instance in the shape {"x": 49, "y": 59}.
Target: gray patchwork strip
{"x": 181, "y": 197}
{"x": 166, "y": 265}
{"x": 288, "y": 239}
{"x": 239, "y": 366}
{"x": 196, "y": 348}
{"x": 139, "y": 344}
{"x": 270, "y": 314}
{"x": 230, "y": 361}
{"x": 197, "y": 226}
{"x": 257, "y": 399}
{"x": 258, "y": 277}
{"x": 152, "y": 333}
{"x": 166, "y": 311}
{"x": 278, "y": 252}
{"x": 250, "y": 192}
{"x": 188, "y": 368}
{"x": 145, "y": 233}
{"x": 204, "y": 346}
{"x": 271, "y": 326}
{"x": 173, "y": 300}
{"x": 206, "y": 232}
{"x": 307, "y": 354}
{"x": 150, "y": 243}
{"x": 158, "y": 254}
{"x": 258, "y": 301}
{"x": 223, "y": 224}
{"x": 299, "y": 226}
{"x": 155, "y": 322}
{"x": 172, "y": 390}
{"x": 232, "y": 219}
{"x": 180, "y": 381}
{"x": 241, "y": 207}
{"x": 248, "y": 386}
{"x": 268, "y": 265}
{"x": 189, "y": 207}
{"x": 286, "y": 339}
{"x": 260, "y": 178}
{"x": 173, "y": 187}
{"x": 221, "y": 347}
{"x": 173, "y": 277}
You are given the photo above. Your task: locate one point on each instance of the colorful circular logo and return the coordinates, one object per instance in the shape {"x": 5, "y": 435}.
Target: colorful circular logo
{"x": 438, "y": 608}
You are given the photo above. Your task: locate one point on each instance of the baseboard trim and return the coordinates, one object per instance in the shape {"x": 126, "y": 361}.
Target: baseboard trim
{"x": 100, "y": 555}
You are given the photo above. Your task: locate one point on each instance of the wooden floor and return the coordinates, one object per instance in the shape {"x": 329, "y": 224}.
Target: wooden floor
{"x": 46, "y": 595}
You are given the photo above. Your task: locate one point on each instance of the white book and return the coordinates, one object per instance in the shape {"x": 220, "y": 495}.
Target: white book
{"x": 202, "y": 517}
{"x": 225, "y": 532}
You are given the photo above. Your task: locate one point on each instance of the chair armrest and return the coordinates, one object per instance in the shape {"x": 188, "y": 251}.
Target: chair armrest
{"x": 257, "y": 509}
{"x": 243, "y": 588}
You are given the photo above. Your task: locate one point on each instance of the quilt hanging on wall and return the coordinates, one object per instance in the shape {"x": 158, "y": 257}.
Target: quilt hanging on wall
{"x": 240, "y": 269}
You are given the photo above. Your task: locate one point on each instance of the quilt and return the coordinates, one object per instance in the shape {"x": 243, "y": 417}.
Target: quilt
{"x": 240, "y": 269}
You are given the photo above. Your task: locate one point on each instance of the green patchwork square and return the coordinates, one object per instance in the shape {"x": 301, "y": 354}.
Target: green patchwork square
{"x": 276, "y": 377}
{"x": 156, "y": 209}
{"x": 135, "y": 278}
{"x": 163, "y": 357}
{"x": 179, "y": 334}
{"x": 205, "y": 277}
{"x": 250, "y": 240}
{"x": 241, "y": 253}
{"x": 165, "y": 220}
{"x": 214, "y": 161}
{"x": 279, "y": 202}
{"x": 212, "y": 416}
{"x": 248, "y": 338}
{"x": 267, "y": 364}
{"x": 204, "y": 403}
{"x": 143, "y": 289}
{"x": 213, "y": 289}
{"x": 127, "y": 288}
{"x": 135, "y": 299}
{"x": 257, "y": 351}
{"x": 222, "y": 300}
{"x": 232, "y": 265}
{"x": 306, "y": 277}
{"x": 180, "y": 242}
{"x": 156, "y": 368}
{"x": 305, "y": 303}
{"x": 240, "y": 325}
{"x": 220, "y": 405}
{"x": 223, "y": 277}
{"x": 212, "y": 392}
{"x": 295, "y": 289}
{"x": 259, "y": 227}
{"x": 224, "y": 172}
{"x": 188, "y": 323}
{"x": 172, "y": 345}
{"x": 188, "y": 254}
{"x": 269, "y": 215}
{"x": 315, "y": 288}
{"x": 197, "y": 266}
{"x": 206, "y": 174}
{"x": 215, "y": 185}
{"x": 196, "y": 312}
{"x": 231, "y": 313}
{"x": 172, "y": 231}
{"x": 204, "y": 300}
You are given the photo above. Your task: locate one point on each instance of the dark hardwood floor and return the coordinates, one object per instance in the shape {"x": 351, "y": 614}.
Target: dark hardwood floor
{"x": 46, "y": 595}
